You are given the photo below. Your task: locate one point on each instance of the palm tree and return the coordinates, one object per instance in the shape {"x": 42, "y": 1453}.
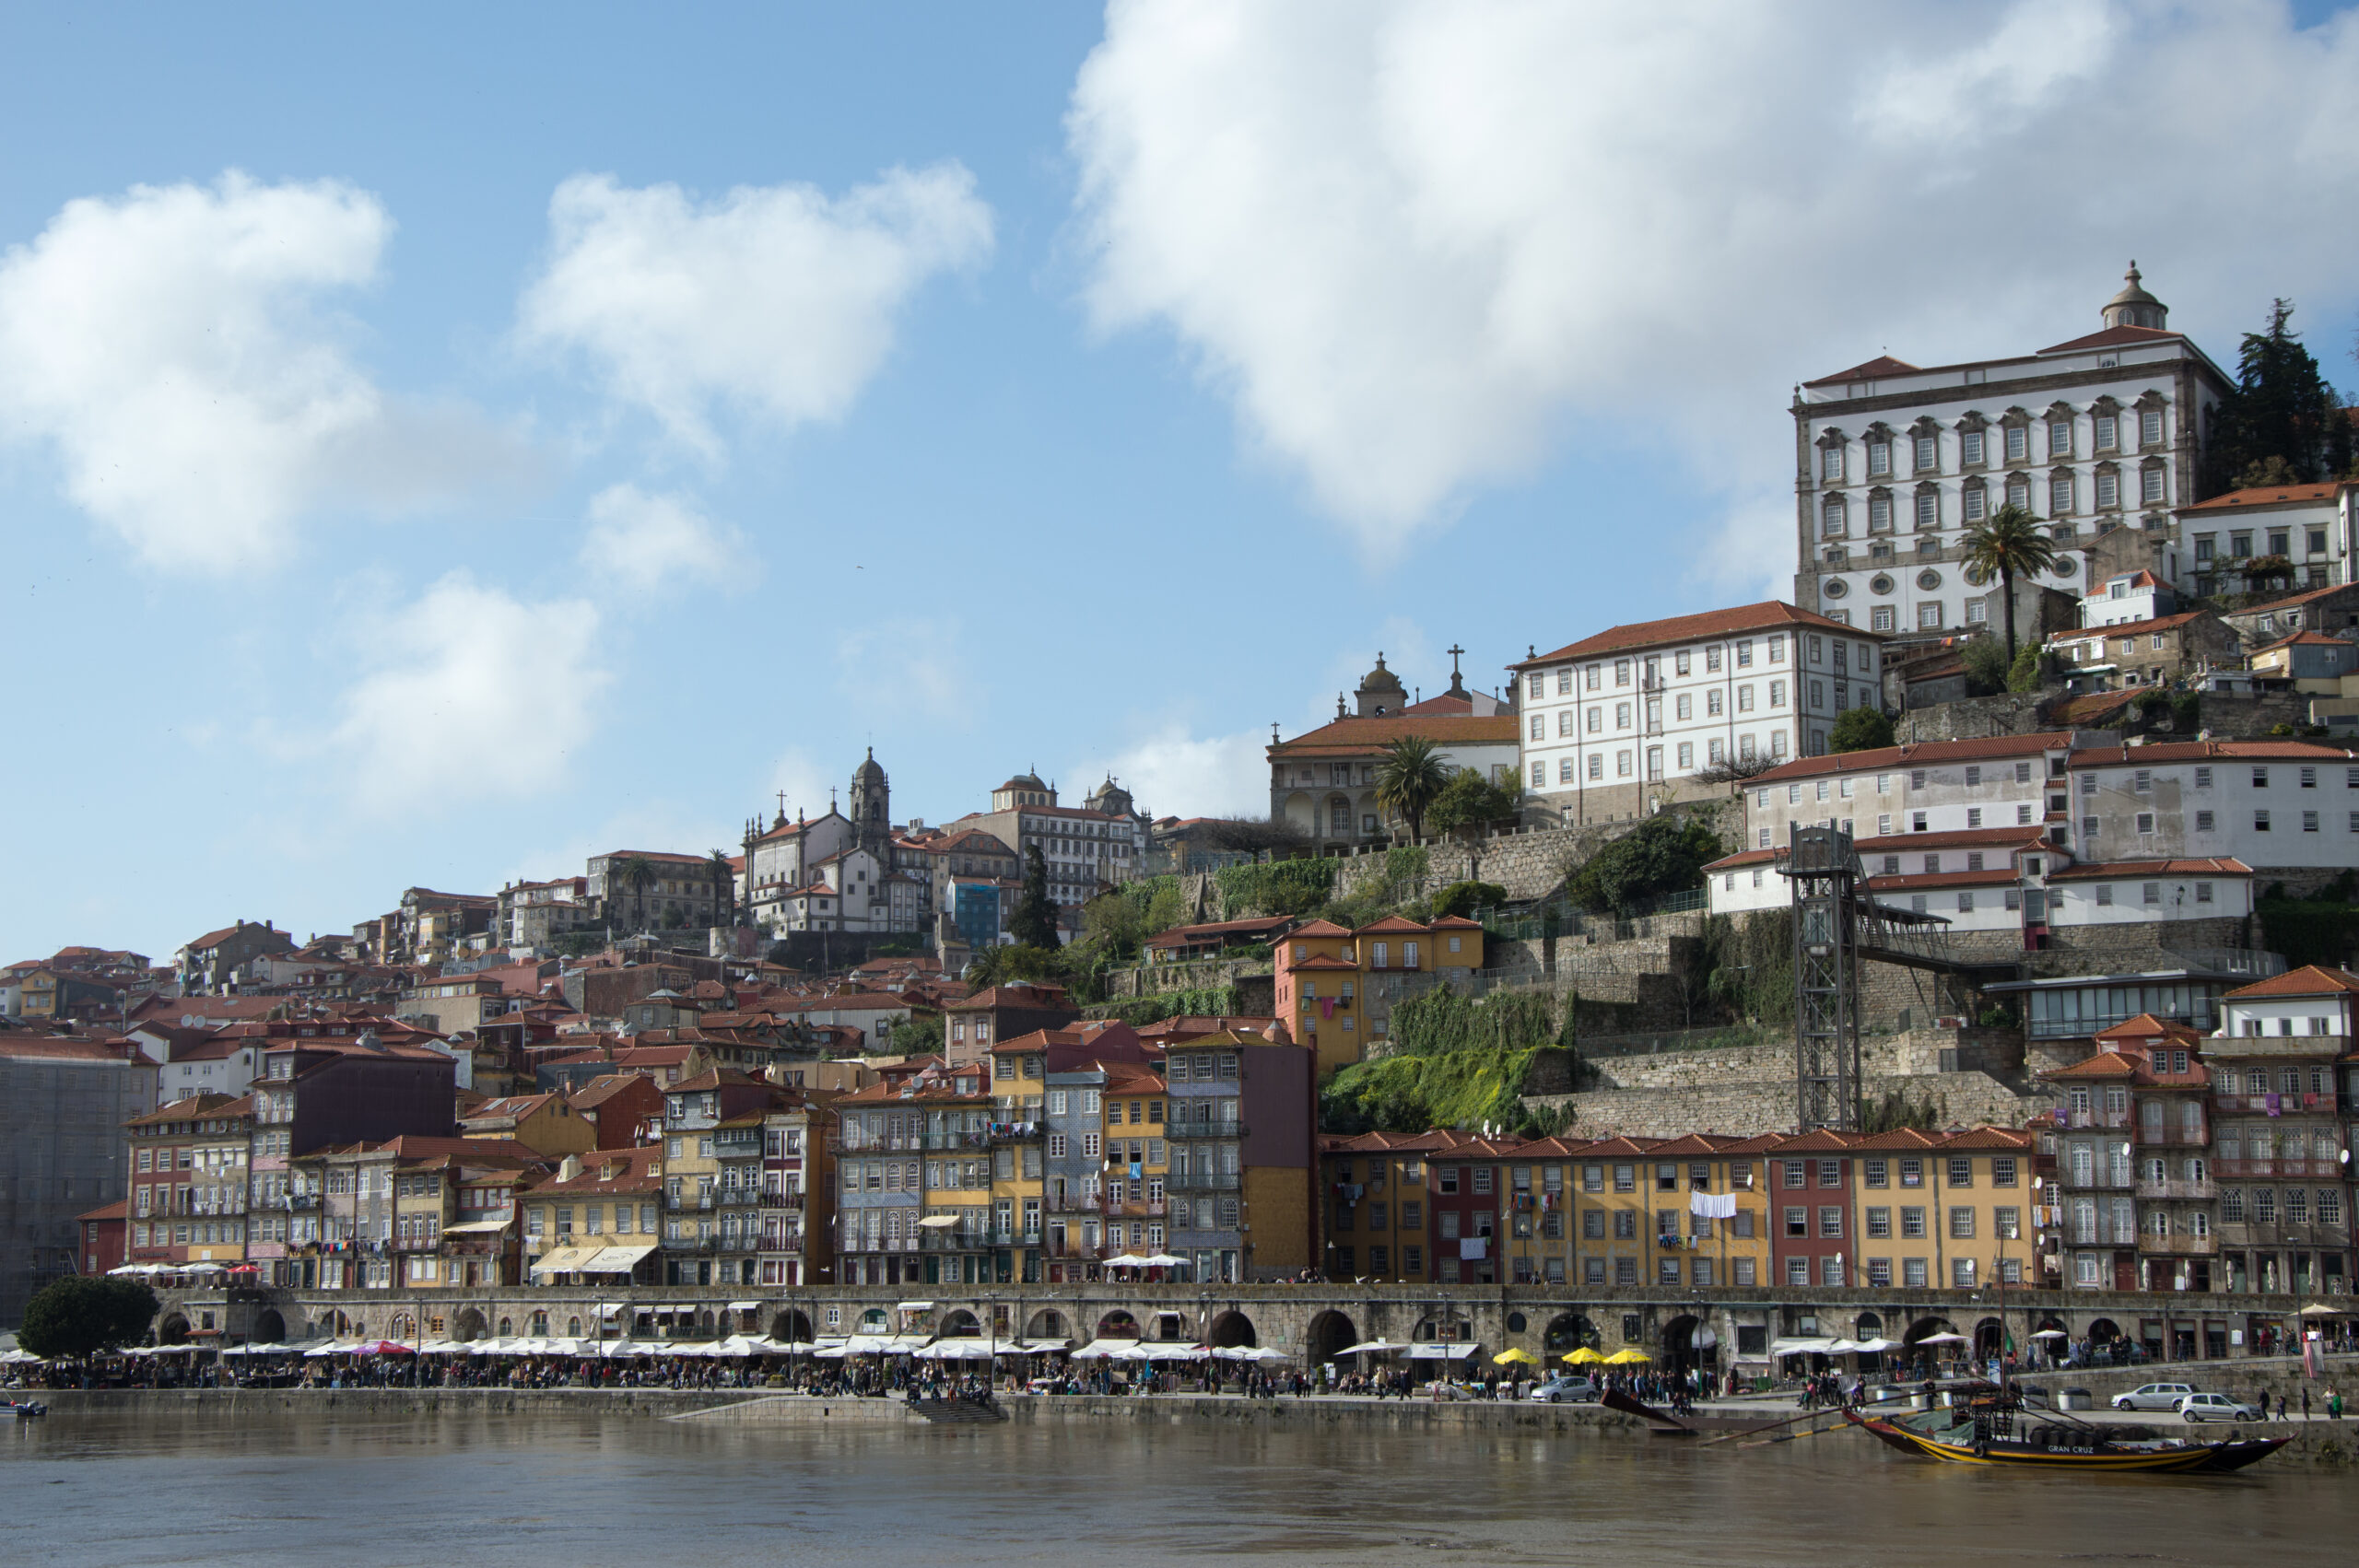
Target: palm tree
{"x": 724, "y": 886}
{"x": 636, "y": 872}
{"x": 1408, "y": 779}
{"x": 2007, "y": 542}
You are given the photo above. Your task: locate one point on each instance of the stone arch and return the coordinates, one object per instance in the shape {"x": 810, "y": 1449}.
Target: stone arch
{"x": 507, "y": 1327}
{"x": 704, "y": 1321}
{"x": 339, "y": 1325}
{"x": 1328, "y": 1334}
{"x": 1047, "y": 1324}
{"x": 573, "y": 1328}
{"x": 2104, "y": 1332}
{"x": 1444, "y": 1325}
{"x": 1232, "y": 1329}
{"x": 1868, "y": 1326}
{"x": 1567, "y": 1332}
{"x": 1989, "y": 1339}
{"x": 1119, "y": 1324}
{"x": 874, "y": 1320}
{"x": 1689, "y": 1344}
{"x": 790, "y": 1326}
{"x": 269, "y": 1329}
{"x": 467, "y": 1327}
{"x": 1328, "y": 828}
{"x": 403, "y": 1326}
{"x": 961, "y": 1325}
{"x": 540, "y": 1323}
{"x": 172, "y": 1330}
{"x": 360, "y": 1328}
{"x": 1911, "y": 1343}
{"x": 1302, "y": 812}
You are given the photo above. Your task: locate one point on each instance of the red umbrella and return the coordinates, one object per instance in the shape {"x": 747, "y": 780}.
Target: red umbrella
{"x": 383, "y": 1348}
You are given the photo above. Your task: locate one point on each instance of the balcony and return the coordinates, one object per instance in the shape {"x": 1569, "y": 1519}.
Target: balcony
{"x": 2179, "y": 1188}
{"x": 298, "y": 1201}
{"x": 953, "y": 1241}
{"x": 781, "y": 1200}
{"x": 680, "y": 1202}
{"x": 1201, "y": 1181}
{"x": 2320, "y": 1103}
{"x": 2104, "y": 1236}
{"x": 2172, "y": 1138}
{"x": 942, "y": 1142}
{"x": 1196, "y": 1132}
{"x": 2283, "y": 1233}
{"x": 2180, "y": 1246}
{"x": 2094, "y": 1118}
{"x": 2289, "y": 1167}
{"x": 2097, "y": 1181}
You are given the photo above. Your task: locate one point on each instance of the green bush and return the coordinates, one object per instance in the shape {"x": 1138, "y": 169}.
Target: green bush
{"x": 1458, "y": 1063}
{"x": 1666, "y": 854}
{"x": 1193, "y": 1001}
{"x": 2029, "y": 670}
{"x": 1462, "y": 898}
{"x": 1986, "y": 666}
{"x": 1860, "y": 729}
{"x": 1274, "y": 887}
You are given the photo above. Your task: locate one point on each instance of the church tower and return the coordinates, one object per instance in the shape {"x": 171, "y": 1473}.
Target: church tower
{"x": 870, "y": 809}
{"x": 2133, "y": 307}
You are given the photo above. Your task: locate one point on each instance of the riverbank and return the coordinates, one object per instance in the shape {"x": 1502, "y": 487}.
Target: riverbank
{"x": 2318, "y": 1444}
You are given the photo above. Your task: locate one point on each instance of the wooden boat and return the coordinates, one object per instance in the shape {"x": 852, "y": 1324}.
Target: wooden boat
{"x": 24, "y": 1408}
{"x": 2003, "y": 1433}
{"x": 1658, "y": 1423}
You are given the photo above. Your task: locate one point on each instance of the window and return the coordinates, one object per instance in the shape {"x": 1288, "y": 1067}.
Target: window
{"x": 1912, "y": 1224}
{"x": 2018, "y": 442}
{"x": 1830, "y": 1222}
{"x": 1912, "y": 1273}
{"x": 1797, "y": 1221}
{"x": 2260, "y": 820}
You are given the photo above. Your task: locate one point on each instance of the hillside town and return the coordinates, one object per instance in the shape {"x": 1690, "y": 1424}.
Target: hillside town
{"x": 1960, "y": 953}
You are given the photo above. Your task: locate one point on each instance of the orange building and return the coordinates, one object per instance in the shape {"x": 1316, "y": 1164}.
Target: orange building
{"x": 1336, "y": 988}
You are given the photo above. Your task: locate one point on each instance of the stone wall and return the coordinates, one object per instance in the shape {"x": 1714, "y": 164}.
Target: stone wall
{"x": 2007, "y": 713}
{"x": 1765, "y": 1104}
{"x": 1150, "y": 978}
{"x": 1531, "y": 863}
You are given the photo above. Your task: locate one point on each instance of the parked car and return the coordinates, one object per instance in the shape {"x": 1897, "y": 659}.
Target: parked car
{"x": 2153, "y": 1396}
{"x": 1562, "y": 1390}
{"x": 2217, "y": 1407}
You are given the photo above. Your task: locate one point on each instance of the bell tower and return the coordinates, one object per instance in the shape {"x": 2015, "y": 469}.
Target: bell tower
{"x": 871, "y": 808}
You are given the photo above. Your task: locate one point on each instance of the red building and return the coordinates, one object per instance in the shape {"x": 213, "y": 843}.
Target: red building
{"x": 1810, "y": 1206}
{"x": 102, "y": 1237}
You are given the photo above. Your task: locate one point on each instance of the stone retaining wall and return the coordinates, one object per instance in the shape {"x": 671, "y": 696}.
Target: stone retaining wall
{"x": 1766, "y": 1103}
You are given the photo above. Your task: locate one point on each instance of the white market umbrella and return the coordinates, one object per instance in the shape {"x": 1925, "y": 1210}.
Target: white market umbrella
{"x": 1944, "y": 1340}
{"x": 2049, "y": 1334}
{"x": 1165, "y": 1260}
{"x": 1371, "y": 1348}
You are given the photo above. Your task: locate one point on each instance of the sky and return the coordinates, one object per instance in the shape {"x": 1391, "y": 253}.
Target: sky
{"x": 441, "y": 443}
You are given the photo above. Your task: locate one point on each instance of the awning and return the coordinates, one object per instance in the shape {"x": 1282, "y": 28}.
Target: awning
{"x": 1099, "y": 1349}
{"x": 1370, "y": 1348}
{"x": 477, "y": 1228}
{"x": 564, "y": 1261}
{"x": 939, "y": 1222}
{"x": 916, "y": 1306}
{"x": 614, "y": 1259}
{"x": 1453, "y": 1350}
{"x": 1809, "y": 1347}
{"x": 745, "y": 1307}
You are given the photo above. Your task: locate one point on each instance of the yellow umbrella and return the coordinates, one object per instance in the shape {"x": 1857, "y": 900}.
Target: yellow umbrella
{"x": 1506, "y": 1358}
{"x": 1627, "y": 1358}
{"x": 1583, "y": 1357}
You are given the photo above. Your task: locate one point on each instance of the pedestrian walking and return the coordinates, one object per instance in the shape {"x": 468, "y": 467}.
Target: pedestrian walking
{"x": 2281, "y": 1407}
{"x": 2306, "y": 1401}
{"x": 2333, "y": 1405}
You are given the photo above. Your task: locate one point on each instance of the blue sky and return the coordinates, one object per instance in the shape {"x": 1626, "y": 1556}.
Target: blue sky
{"x": 435, "y": 449}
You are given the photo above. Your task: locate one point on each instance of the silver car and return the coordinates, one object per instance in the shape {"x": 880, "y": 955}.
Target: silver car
{"x": 2217, "y": 1407}
{"x": 2154, "y": 1397}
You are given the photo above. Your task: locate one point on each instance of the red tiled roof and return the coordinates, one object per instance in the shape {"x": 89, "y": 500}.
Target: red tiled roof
{"x": 2208, "y": 751}
{"x": 1926, "y": 754}
{"x": 2269, "y": 496}
{"x": 2116, "y": 337}
{"x": 1354, "y": 736}
{"x": 1319, "y": 927}
{"x": 2303, "y": 639}
{"x": 2104, "y": 1064}
{"x": 2131, "y": 628}
{"x": 2292, "y": 599}
{"x": 2310, "y": 979}
{"x": 1772, "y": 614}
{"x": 1925, "y": 882}
{"x": 2103, "y": 871}
{"x": 1391, "y": 923}
{"x": 1882, "y": 365}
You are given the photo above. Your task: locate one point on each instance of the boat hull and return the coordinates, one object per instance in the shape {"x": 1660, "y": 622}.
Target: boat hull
{"x": 2180, "y": 1457}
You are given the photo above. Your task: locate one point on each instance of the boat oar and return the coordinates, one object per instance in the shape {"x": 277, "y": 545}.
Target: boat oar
{"x": 1792, "y": 1436}
{"x": 1766, "y": 1426}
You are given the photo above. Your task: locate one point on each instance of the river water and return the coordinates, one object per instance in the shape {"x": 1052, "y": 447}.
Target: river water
{"x": 484, "y": 1492}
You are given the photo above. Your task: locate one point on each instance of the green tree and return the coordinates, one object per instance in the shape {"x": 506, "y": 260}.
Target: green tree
{"x": 1462, "y": 898}
{"x": 724, "y": 887}
{"x": 2029, "y": 670}
{"x": 2282, "y": 423}
{"x": 2006, "y": 544}
{"x": 82, "y": 1315}
{"x": 636, "y": 873}
{"x": 1665, "y": 854}
{"x": 1409, "y": 779}
{"x": 1860, "y": 729}
{"x": 1986, "y": 666}
{"x": 917, "y": 1035}
{"x": 1034, "y": 924}
{"x": 1470, "y": 801}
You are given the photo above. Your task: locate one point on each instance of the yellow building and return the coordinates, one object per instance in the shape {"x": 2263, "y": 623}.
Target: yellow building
{"x": 1019, "y": 1143}
{"x": 597, "y": 1218}
{"x": 546, "y": 1124}
{"x": 1336, "y": 988}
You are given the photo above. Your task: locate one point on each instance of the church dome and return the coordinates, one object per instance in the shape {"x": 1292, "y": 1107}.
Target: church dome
{"x": 2133, "y": 307}
{"x": 1380, "y": 679}
{"x": 870, "y": 769}
{"x": 1025, "y": 781}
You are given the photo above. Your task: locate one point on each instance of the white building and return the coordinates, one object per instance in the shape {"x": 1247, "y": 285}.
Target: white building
{"x": 1894, "y": 462}
{"x": 2275, "y": 805}
{"x": 1620, "y": 722}
{"x": 2125, "y": 597}
{"x": 2308, "y": 526}
{"x": 849, "y": 891}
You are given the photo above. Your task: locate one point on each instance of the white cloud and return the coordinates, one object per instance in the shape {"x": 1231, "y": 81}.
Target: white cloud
{"x": 1174, "y": 773}
{"x": 778, "y": 300}
{"x": 469, "y": 694}
{"x": 912, "y": 666}
{"x": 639, "y": 540}
{"x": 166, "y": 346}
{"x": 1418, "y": 242}
{"x": 799, "y": 786}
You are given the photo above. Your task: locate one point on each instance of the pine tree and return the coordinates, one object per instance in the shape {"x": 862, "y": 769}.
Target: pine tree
{"x": 2283, "y": 424}
{"x": 1034, "y": 924}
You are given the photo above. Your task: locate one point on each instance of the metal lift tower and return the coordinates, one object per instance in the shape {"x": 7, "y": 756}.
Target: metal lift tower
{"x": 1823, "y": 872}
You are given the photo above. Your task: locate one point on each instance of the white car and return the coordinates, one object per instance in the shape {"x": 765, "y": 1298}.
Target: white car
{"x": 2154, "y": 1397}
{"x": 2216, "y": 1406}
